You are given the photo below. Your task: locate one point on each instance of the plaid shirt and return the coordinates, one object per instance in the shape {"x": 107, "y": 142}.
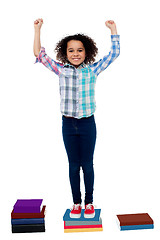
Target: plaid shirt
{"x": 77, "y": 85}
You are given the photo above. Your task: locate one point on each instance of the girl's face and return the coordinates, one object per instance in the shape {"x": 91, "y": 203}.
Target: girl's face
{"x": 75, "y": 52}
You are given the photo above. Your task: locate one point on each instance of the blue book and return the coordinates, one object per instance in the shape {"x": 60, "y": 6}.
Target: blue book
{"x": 23, "y": 221}
{"x": 137, "y": 227}
{"x": 66, "y": 216}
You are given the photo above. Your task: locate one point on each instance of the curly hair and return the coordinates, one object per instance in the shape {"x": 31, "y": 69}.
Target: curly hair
{"x": 88, "y": 43}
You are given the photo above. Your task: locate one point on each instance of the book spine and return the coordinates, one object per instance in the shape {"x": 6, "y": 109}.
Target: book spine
{"x": 28, "y": 228}
{"x": 86, "y": 226}
{"x": 24, "y": 221}
{"x": 83, "y": 230}
{"x": 137, "y": 227}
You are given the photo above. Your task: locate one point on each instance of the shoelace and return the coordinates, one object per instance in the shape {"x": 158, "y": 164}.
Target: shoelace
{"x": 76, "y": 206}
{"x": 89, "y": 206}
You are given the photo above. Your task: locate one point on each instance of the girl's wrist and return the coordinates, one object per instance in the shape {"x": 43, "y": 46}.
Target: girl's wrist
{"x": 114, "y": 31}
{"x": 37, "y": 30}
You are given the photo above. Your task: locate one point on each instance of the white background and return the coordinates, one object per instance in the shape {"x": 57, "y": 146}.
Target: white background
{"x": 32, "y": 155}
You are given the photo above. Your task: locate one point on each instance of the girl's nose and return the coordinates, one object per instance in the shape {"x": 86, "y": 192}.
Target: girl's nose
{"x": 75, "y": 53}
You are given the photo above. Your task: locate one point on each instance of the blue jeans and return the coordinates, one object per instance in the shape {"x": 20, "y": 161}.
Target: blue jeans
{"x": 79, "y": 136}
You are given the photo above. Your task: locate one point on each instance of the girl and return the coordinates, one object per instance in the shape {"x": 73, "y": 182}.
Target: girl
{"x": 77, "y": 74}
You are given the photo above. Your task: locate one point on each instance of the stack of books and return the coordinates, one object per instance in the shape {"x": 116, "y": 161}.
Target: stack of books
{"x": 28, "y": 216}
{"x": 82, "y": 224}
{"x": 135, "y": 221}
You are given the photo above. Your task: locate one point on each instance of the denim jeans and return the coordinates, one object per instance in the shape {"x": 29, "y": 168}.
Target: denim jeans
{"x": 79, "y": 136}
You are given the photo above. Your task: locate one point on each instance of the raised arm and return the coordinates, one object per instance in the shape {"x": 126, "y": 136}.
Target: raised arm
{"x": 40, "y": 53}
{"x": 103, "y": 63}
{"x": 37, "y": 42}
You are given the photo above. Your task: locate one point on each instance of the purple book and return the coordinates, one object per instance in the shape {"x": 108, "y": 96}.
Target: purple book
{"x": 28, "y": 206}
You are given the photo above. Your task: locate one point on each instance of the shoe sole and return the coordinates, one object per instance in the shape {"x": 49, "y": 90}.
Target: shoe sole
{"x": 89, "y": 215}
{"x": 75, "y": 215}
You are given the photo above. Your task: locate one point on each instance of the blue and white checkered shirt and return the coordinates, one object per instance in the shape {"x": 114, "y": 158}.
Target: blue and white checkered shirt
{"x": 77, "y": 85}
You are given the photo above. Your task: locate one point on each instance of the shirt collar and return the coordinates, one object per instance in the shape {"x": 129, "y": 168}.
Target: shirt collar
{"x": 80, "y": 67}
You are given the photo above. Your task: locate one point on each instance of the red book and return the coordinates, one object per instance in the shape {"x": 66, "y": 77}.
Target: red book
{"x": 134, "y": 219}
{"x": 82, "y": 226}
{"x": 28, "y": 215}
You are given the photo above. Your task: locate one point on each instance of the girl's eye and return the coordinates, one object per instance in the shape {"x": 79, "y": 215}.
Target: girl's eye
{"x": 78, "y": 50}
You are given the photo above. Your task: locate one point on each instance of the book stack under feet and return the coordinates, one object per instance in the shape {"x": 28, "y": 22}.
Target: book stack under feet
{"x": 82, "y": 224}
{"x": 28, "y": 216}
{"x": 135, "y": 221}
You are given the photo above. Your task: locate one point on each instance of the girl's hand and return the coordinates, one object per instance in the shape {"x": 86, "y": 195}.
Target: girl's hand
{"x": 38, "y": 23}
{"x": 112, "y": 26}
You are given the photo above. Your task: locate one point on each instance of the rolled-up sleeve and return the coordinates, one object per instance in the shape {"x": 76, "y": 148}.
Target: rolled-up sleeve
{"x": 103, "y": 63}
{"x": 48, "y": 62}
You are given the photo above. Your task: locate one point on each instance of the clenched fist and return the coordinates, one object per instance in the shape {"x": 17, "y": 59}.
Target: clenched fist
{"x": 38, "y": 23}
{"x": 112, "y": 26}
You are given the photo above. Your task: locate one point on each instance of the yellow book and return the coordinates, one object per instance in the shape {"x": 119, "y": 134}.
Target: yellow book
{"x": 83, "y": 230}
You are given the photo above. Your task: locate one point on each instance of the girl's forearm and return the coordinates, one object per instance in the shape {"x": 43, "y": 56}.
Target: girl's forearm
{"x": 37, "y": 42}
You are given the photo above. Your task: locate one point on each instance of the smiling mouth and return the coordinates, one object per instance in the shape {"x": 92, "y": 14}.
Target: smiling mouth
{"x": 76, "y": 59}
